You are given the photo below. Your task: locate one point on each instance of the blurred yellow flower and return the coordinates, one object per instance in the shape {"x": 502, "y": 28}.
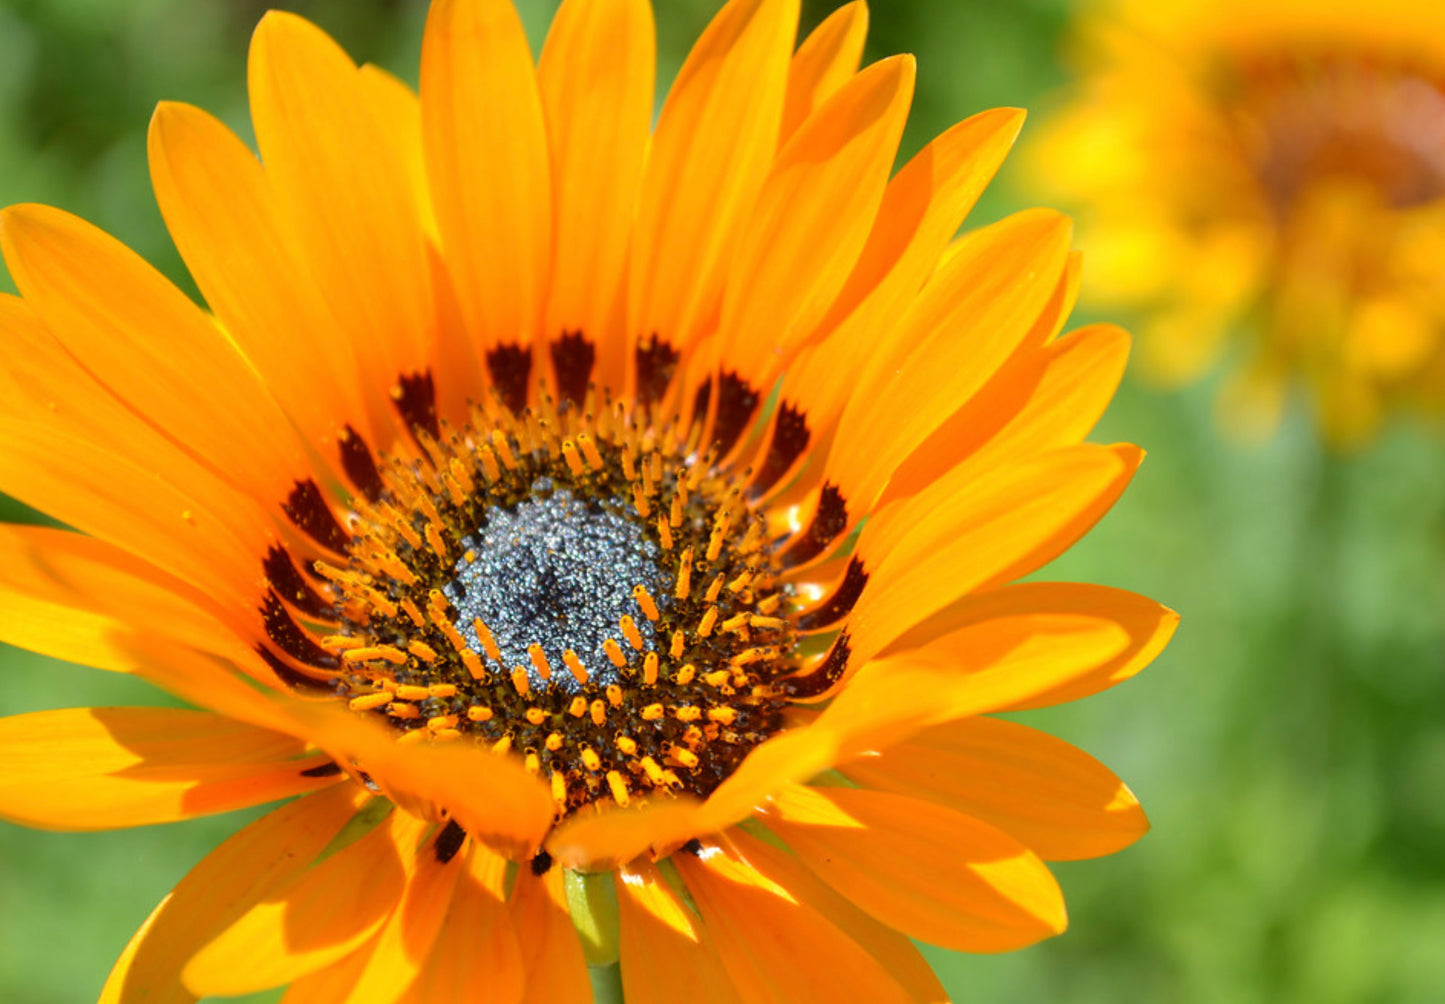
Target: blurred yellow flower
{"x": 1268, "y": 183}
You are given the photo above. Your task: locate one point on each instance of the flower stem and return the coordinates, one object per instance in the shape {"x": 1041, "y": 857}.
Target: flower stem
{"x": 606, "y": 984}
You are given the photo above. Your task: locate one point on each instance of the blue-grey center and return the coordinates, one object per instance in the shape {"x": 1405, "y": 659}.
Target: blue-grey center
{"x": 557, "y": 571}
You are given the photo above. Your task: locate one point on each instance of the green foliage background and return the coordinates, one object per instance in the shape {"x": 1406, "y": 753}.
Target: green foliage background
{"x": 1289, "y": 746}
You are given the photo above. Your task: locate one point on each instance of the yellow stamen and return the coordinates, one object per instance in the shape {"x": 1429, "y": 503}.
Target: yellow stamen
{"x": 709, "y": 620}
{"x": 589, "y": 450}
{"x": 367, "y": 702}
{"x": 489, "y": 644}
{"x": 573, "y": 458}
{"x": 618, "y": 786}
{"x": 684, "y": 575}
{"x": 645, "y": 601}
{"x": 579, "y": 671}
{"x": 540, "y": 661}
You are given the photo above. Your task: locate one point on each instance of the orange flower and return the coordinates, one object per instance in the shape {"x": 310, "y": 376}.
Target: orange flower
{"x": 1267, "y": 183}
{"x": 565, "y": 509}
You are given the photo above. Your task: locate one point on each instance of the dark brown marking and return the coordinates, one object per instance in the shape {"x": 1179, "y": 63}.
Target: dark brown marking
{"x": 359, "y": 464}
{"x": 693, "y": 847}
{"x": 291, "y": 638}
{"x": 790, "y": 439}
{"x": 449, "y": 841}
{"x": 511, "y": 368}
{"x": 307, "y": 508}
{"x": 323, "y": 770}
{"x": 656, "y": 363}
{"x": 288, "y": 583}
{"x": 416, "y": 402}
{"x": 822, "y": 679}
{"x": 830, "y": 519}
{"x": 737, "y": 401}
{"x": 572, "y": 359}
{"x": 841, "y": 602}
{"x": 541, "y": 864}
{"x": 288, "y": 674}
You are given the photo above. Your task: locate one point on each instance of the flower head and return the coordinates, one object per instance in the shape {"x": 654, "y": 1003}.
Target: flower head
{"x": 590, "y": 523}
{"x": 1269, "y": 183}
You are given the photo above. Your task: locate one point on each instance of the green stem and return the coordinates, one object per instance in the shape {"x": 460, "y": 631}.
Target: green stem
{"x": 606, "y": 984}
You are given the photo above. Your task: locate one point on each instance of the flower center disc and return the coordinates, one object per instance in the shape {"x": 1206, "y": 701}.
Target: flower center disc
{"x": 590, "y": 594}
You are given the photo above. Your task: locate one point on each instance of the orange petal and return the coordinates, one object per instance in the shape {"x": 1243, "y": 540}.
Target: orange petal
{"x": 922, "y": 209}
{"x": 1048, "y": 399}
{"x": 487, "y": 161}
{"x": 608, "y": 837}
{"x": 476, "y": 958}
{"x": 975, "y": 311}
{"x": 933, "y": 874}
{"x": 67, "y": 596}
{"x": 556, "y": 971}
{"x": 613, "y": 836}
{"x": 811, "y": 219}
{"x": 1081, "y": 372}
{"x": 151, "y": 346}
{"x": 102, "y": 768}
{"x": 775, "y": 946}
{"x": 966, "y": 532}
{"x": 1005, "y": 660}
{"x": 336, "y": 984}
{"x": 250, "y": 866}
{"x": 825, "y": 61}
{"x": 323, "y": 915}
{"x": 492, "y": 796}
{"x": 1057, "y": 800}
{"x": 343, "y": 182}
{"x": 76, "y": 452}
{"x": 220, "y": 209}
{"x": 1055, "y": 606}
{"x": 893, "y": 951}
{"x": 715, "y": 140}
{"x": 405, "y": 942}
{"x": 663, "y": 943}
{"x": 129, "y": 505}
{"x": 224, "y": 683}
{"x": 596, "y": 75}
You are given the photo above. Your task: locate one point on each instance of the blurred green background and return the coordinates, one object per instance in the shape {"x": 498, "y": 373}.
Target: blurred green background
{"x": 1289, "y": 746}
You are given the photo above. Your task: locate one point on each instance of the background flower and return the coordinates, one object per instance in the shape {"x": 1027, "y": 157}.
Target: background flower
{"x": 1291, "y": 757}
{"x": 1266, "y": 185}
